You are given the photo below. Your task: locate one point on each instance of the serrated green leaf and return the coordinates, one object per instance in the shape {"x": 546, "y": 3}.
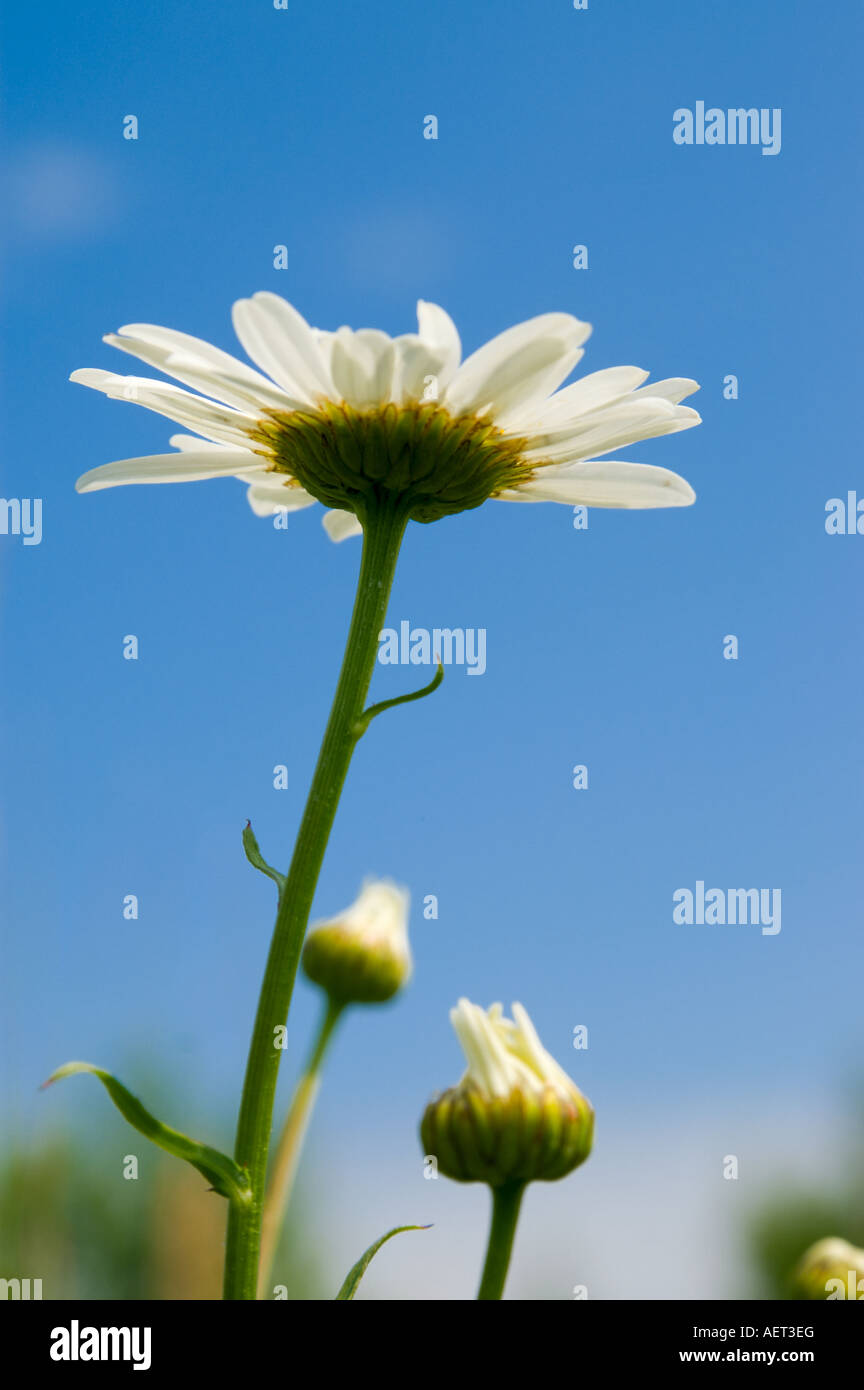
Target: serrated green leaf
{"x": 257, "y": 860}
{"x": 224, "y": 1175}
{"x": 349, "y": 1288}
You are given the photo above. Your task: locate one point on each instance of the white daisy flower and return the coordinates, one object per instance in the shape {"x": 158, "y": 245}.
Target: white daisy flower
{"x": 351, "y": 417}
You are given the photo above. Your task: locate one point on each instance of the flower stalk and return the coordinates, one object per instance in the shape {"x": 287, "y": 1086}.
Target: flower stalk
{"x": 290, "y": 1146}
{"x": 384, "y": 526}
{"x": 506, "y": 1204}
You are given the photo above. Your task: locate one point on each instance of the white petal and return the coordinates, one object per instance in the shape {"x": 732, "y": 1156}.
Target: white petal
{"x": 588, "y": 393}
{"x": 438, "y": 331}
{"x": 426, "y": 360}
{"x": 673, "y": 389}
{"x": 267, "y": 497}
{"x": 197, "y": 364}
{"x": 612, "y": 428}
{"x": 526, "y": 1041}
{"x": 341, "y": 525}
{"x": 170, "y": 340}
{"x": 280, "y": 340}
{"x": 216, "y": 422}
{"x": 362, "y": 365}
{"x": 377, "y": 918}
{"x": 522, "y": 364}
{"x": 609, "y": 483}
{"x": 192, "y": 467}
{"x": 485, "y": 1052}
{"x": 190, "y": 442}
{"x": 416, "y": 370}
{"x": 223, "y": 383}
{"x": 383, "y": 354}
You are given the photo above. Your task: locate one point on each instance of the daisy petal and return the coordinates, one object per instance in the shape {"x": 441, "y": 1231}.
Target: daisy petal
{"x": 192, "y": 467}
{"x": 419, "y": 370}
{"x": 438, "y": 331}
{"x": 340, "y": 525}
{"x": 267, "y": 497}
{"x": 154, "y": 338}
{"x": 280, "y": 340}
{"x": 522, "y": 364}
{"x": 225, "y": 383}
{"x": 673, "y": 389}
{"x": 363, "y": 364}
{"x": 612, "y": 428}
{"x": 590, "y": 392}
{"x": 216, "y": 422}
{"x": 190, "y": 442}
{"x": 171, "y": 340}
{"x": 609, "y": 483}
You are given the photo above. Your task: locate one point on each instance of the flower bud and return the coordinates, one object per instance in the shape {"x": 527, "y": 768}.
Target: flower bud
{"x": 515, "y": 1115}
{"x": 831, "y": 1269}
{"x": 362, "y": 956}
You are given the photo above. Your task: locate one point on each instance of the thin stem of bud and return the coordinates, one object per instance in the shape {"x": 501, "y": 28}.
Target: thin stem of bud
{"x": 286, "y": 1160}
{"x": 506, "y": 1201}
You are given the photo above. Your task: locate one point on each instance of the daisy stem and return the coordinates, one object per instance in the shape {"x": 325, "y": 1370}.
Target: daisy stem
{"x": 384, "y": 527}
{"x": 287, "y": 1157}
{"x": 506, "y": 1201}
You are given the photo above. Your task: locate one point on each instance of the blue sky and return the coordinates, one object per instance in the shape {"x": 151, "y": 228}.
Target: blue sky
{"x": 303, "y": 128}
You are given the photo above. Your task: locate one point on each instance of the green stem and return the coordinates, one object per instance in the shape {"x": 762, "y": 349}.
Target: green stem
{"x": 384, "y": 527}
{"x": 506, "y": 1201}
{"x": 287, "y": 1157}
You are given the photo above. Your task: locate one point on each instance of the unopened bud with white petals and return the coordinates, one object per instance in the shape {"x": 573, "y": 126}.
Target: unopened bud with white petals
{"x": 516, "y": 1116}
{"x": 362, "y": 956}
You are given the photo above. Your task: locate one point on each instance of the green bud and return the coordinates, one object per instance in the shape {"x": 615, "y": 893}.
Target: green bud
{"x": 830, "y": 1269}
{"x": 362, "y": 955}
{"x": 515, "y": 1115}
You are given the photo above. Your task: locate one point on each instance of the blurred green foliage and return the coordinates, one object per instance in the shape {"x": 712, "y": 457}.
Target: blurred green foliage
{"x": 74, "y": 1221}
{"x": 796, "y": 1216}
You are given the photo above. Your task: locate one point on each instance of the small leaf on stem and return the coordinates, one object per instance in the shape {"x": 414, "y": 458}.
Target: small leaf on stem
{"x": 369, "y": 714}
{"x": 256, "y": 859}
{"x": 349, "y": 1288}
{"x": 225, "y": 1176}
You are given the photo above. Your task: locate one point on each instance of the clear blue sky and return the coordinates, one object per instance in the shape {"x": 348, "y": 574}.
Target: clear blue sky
{"x": 303, "y": 127}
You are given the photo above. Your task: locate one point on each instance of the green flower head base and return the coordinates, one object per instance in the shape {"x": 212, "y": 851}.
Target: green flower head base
{"x": 359, "y": 420}
{"x": 418, "y": 456}
{"x": 515, "y": 1116}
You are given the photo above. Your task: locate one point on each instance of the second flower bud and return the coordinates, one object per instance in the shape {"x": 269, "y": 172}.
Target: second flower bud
{"x": 362, "y": 956}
